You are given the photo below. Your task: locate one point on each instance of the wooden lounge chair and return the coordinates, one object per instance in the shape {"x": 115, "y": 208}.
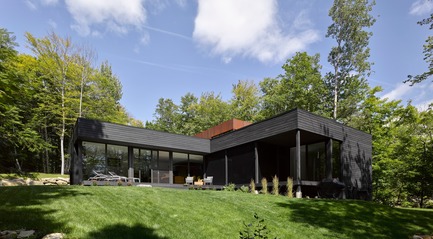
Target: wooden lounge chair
{"x": 115, "y": 177}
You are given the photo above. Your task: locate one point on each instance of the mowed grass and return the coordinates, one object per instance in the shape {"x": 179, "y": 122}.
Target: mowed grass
{"x": 137, "y": 212}
{"x": 32, "y": 175}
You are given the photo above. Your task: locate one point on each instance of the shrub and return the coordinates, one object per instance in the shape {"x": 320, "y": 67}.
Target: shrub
{"x": 119, "y": 183}
{"x": 275, "y": 185}
{"x": 253, "y": 186}
{"x": 289, "y": 187}
{"x": 255, "y": 229}
{"x": 230, "y": 187}
{"x": 264, "y": 186}
{"x": 244, "y": 189}
{"x": 94, "y": 183}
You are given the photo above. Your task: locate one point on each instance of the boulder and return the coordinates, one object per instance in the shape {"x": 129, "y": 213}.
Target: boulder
{"x": 56, "y": 235}
{"x": 25, "y": 233}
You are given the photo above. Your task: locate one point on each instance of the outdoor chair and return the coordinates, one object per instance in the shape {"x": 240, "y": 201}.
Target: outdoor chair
{"x": 115, "y": 177}
{"x": 98, "y": 176}
{"x": 208, "y": 180}
{"x": 189, "y": 180}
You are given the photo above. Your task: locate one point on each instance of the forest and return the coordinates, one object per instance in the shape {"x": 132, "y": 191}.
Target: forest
{"x": 41, "y": 96}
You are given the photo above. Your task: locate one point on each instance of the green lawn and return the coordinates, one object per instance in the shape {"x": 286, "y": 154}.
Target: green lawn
{"x": 137, "y": 212}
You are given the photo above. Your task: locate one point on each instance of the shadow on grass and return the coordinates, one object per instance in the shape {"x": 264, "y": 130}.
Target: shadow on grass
{"x": 360, "y": 219}
{"x": 125, "y": 231}
{"x": 22, "y": 207}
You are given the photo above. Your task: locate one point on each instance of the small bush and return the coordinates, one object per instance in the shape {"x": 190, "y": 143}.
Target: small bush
{"x": 230, "y": 187}
{"x": 264, "y": 186}
{"x": 275, "y": 185}
{"x": 244, "y": 189}
{"x": 94, "y": 183}
{"x": 255, "y": 229}
{"x": 253, "y": 186}
{"x": 119, "y": 183}
{"x": 289, "y": 187}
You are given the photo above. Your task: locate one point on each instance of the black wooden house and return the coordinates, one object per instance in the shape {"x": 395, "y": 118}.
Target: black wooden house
{"x": 297, "y": 144}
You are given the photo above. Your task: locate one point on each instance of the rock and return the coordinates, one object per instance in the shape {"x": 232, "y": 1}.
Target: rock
{"x": 8, "y": 234}
{"x": 56, "y": 235}
{"x": 422, "y": 237}
{"x": 26, "y": 233}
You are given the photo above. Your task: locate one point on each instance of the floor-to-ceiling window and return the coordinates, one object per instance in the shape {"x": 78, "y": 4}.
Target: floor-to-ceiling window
{"x": 142, "y": 164}
{"x": 117, "y": 159}
{"x": 93, "y": 159}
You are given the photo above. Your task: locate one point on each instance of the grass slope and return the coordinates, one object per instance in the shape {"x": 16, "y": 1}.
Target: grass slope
{"x": 136, "y": 212}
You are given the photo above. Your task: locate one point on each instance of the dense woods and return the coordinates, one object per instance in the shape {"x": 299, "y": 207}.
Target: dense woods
{"x": 41, "y": 95}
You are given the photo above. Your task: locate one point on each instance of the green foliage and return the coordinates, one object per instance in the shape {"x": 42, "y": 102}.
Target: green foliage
{"x": 301, "y": 86}
{"x": 289, "y": 187}
{"x": 231, "y": 187}
{"x": 252, "y": 186}
{"x": 244, "y": 189}
{"x": 264, "y": 186}
{"x": 428, "y": 55}
{"x": 245, "y": 101}
{"x": 275, "y": 185}
{"x": 256, "y": 229}
{"x": 349, "y": 58}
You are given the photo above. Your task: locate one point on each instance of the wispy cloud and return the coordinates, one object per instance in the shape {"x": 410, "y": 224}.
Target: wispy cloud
{"x": 168, "y": 32}
{"x": 421, "y": 7}
{"x": 250, "y": 28}
{"x": 419, "y": 94}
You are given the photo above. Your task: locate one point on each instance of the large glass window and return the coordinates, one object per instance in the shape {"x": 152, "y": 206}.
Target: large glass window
{"x": 196, "y": 165}
{"x": 180, "y": 167}
{"x": 142, "y": 164}
{"x": 316, "y": 162}
{"x": 93, "y": 159}
{"x": 336, "y": 161}
{"x": 293, "y": 163}
{"x": 117, "y": 159}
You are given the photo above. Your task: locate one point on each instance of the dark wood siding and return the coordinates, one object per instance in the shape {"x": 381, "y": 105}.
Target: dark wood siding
{"x": 257, "y": 131}
{"x": 96, "y": 131}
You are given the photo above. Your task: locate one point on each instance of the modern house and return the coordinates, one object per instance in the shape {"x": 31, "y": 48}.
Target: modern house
{"x": 297, "y": 144}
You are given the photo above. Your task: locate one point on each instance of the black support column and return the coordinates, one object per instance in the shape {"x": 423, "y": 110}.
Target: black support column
{"x": 256, "y": 163}
{"x": 298, "y": 164}
{"x": 226, "y": 163}
{"x": 328, "y": 167}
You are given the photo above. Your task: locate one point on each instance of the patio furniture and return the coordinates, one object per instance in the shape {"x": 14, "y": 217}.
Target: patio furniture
{"x": 189, "y": 180}
{"x": 98, "y": 176}
{"x": 208, "y": 180}
{"x": 115, "y": 177}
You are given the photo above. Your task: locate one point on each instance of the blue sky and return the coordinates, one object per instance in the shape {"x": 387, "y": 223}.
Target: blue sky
{"x": 167, "y": 48}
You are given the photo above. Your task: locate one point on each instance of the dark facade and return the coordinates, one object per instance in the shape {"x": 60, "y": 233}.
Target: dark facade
{"x": 297, "y": 144}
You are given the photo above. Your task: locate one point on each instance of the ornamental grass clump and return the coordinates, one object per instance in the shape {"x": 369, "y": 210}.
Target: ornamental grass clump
{"x": 264, "y": 186}
{"x": 252, "y": 186}
{"x": 289, "y": 187}
{"x": 275, "y": 185}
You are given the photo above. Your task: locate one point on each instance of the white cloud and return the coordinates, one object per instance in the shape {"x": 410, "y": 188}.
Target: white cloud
{"x": 249, "y": 28}
{"x": 421, "y": 7}
{"x": 111, "y": 15}
{"x": 419, "y": 94}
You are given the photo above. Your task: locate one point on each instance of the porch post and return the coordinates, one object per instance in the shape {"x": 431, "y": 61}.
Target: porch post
{"x": 226, "y": 162}
{"x": 130, "y": 164}
{"x": 76, "y": 174}
{"x": 256, "y": 163}
{"x": 329, "y": 159}
{"x": 170, "y": 167}
{"x": 298, "y": 164}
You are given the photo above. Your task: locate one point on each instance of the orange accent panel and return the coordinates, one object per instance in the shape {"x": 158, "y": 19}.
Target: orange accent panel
{"x": 227, "y": 126}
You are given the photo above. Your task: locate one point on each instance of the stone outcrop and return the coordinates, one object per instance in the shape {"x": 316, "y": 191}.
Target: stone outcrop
{"x": 28, "y": 181}
{"x": 23, "y": 233}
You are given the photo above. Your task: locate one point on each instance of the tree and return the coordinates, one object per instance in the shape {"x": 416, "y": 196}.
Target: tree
{"x": 166, "y": 116}
{"x": 245, "y": 100}
{"x": 301, "y": 86}
{"x": 428, "y": 55}
{"x": 55, "y": 54}
{"x": 349, "y": 58}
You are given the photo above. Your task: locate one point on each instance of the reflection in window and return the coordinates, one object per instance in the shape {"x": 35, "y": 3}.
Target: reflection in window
{"x": 117, "y": 159}
{"x": 93, "y": 158}
{"x": 142, "y": 164}
{"x": 180, "y": 167}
